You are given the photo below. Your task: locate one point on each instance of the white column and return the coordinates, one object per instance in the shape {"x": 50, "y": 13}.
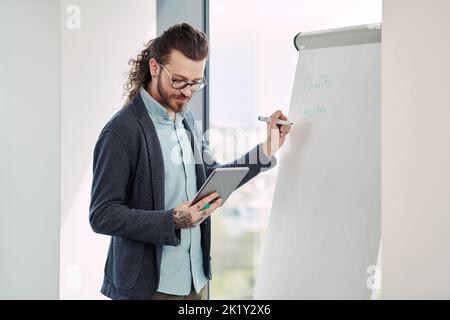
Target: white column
{"x": 416, "y": 149}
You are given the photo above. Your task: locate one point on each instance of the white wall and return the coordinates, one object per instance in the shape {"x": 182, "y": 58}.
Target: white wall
{"x": 94, "y": 61}
{"x": 416, "y": 149}
{"x": 29, "y": 152}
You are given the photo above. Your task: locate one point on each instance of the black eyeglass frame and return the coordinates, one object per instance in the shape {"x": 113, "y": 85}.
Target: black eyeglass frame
{"x": 181, "y": 84}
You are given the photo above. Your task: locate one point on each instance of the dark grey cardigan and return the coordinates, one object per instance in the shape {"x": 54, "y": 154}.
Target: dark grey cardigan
{"x": 127, "y": 199}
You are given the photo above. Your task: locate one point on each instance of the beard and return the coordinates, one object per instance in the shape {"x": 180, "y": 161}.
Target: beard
{"x": 175, "y": 102}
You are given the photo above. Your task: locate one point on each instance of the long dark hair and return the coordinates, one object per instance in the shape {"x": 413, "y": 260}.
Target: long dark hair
{"x": 182, "y": 37}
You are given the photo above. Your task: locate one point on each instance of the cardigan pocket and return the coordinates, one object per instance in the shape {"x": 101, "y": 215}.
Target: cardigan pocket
{"x": 124, "y": 264}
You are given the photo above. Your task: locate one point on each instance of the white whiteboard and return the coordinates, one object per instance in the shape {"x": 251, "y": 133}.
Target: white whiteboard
{"x": 324, "y": 229}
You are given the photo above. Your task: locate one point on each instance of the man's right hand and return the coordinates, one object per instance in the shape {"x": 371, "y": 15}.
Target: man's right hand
{"x": 186, "y": 216}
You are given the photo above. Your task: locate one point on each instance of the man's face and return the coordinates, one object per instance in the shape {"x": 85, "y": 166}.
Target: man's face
{"x": 181, "y": 68}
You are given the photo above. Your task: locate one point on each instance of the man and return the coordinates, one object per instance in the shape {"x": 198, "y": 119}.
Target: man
{"x": 149, "y": 161}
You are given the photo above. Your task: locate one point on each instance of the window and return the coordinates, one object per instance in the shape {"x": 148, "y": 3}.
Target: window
{"x": 252, "y": 67}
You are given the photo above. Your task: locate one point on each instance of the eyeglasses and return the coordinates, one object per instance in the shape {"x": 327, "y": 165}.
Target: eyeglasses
{"x": 181, "y": 84}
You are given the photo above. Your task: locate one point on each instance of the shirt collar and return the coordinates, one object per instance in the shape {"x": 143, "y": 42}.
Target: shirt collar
{"x": 156, "y": 110}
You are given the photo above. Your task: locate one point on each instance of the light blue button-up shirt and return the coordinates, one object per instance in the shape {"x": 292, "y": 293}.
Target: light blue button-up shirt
{"x": 182, "y": 265}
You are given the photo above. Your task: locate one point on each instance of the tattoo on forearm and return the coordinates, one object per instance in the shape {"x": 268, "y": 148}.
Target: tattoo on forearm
{"x": 182, "y": 219}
